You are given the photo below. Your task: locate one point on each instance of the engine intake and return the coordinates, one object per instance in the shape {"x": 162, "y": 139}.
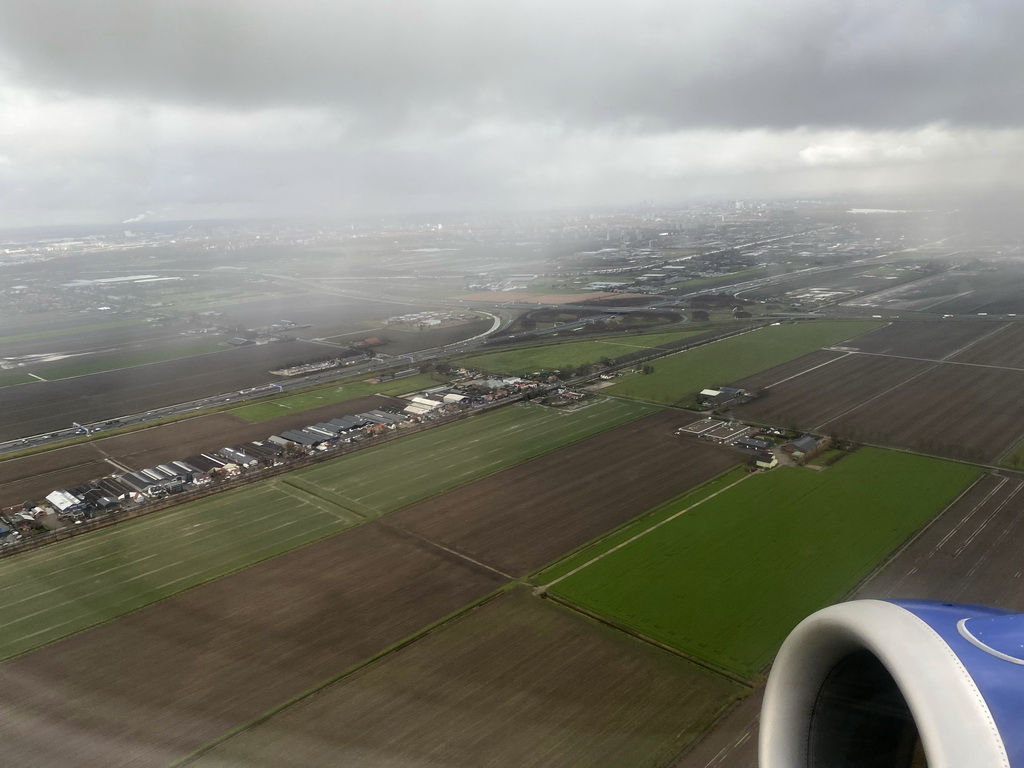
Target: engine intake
{"x": 900, "y": 684}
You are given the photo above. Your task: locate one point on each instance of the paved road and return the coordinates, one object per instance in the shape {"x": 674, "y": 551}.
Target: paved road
{"x": 46, "y": 412}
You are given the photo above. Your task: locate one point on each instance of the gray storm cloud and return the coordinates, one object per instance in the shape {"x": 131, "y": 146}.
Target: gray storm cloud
{"x": 401, "y": 104}
{"x": 732, "y": 64}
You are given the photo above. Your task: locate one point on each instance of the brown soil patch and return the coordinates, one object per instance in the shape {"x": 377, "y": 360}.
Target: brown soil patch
{"x": 928, "y": 340}
{"x": 519, "y": 681}
{"x": 524, "y": 517}
{"x": 1003, "y": 348}
{"x": 815, "y": 397}
{"x": 149, "y": 687}
{"x": 963, "y": 412}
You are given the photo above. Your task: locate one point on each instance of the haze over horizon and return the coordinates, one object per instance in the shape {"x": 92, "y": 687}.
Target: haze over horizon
{"x": 119, "y": 111}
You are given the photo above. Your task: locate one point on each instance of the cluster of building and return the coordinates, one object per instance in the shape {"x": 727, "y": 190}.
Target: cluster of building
{"x": 723, "y": 397}
{"x": 760, "y": 443}
{"x": 98, "y": 497}
{"x": 431, "y": 319}
{"x": 304, "y": 369}
{"x": 65, "y": 506}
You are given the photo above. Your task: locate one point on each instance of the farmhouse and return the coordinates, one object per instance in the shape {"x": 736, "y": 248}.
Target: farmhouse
{"x": 763, "y": 460}
{"x": 801, "y": 446}
{"x": 721, "y": 396}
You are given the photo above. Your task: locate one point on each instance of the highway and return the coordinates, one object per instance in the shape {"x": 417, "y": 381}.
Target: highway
{"x": 240, "y": 396}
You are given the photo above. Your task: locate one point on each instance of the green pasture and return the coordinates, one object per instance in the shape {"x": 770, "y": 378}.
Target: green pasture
{"x": 13, "y": 379}
{"x": 384, "y": 478}
{"x": 1015, "y": 459}
{"x": 678, "y": 378}
{"x": 571, "y": 353}
{"x": 336, "y": 393}
{"x": 729, "y": 578}
{"x": 583, "y": 556}
{"x": 63, "y": 588}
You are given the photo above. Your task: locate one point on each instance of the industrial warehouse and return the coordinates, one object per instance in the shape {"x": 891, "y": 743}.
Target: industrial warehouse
{"x": 73, "y": 505}
{"x": 103, "y": 495}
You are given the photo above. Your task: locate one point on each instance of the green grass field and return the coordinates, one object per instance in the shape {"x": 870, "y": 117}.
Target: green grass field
{"x": 728, "y": 579}
{"x": 382, "y": 479}
{"x": 617, "y": 537}
{"x": 678, "y": 378}
{"x": 571, "y": 353}
{"x": 337, "y": 393}
{"x": 13, "y": 379}
{"x": 63, "y": 588}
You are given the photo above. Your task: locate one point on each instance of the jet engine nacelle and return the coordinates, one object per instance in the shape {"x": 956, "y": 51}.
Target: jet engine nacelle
{"x": 902, "y": 683}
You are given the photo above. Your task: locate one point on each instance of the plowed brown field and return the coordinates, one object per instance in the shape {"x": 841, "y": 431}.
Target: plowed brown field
{"x": 517, "y": 682}
{"x": 149, "y": 687}
{"x": 1003, "y": 348}
{"x": 810, "y": 400}
{"x": 519, "y": 519}
{"x": 927, "y": 340}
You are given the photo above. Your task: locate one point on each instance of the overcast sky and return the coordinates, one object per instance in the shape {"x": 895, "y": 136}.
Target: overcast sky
{"x": 173, "y": 109}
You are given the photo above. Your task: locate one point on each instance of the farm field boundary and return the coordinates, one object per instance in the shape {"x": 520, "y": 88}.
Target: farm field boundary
{"x": 382, "y": 479}
{"x": 626, "y": 534}
{"x": 123, "y": 360}
{"x": 528, "y": 515}
{"x": 336, "y": 393}
{"x": 572, "y": 353}
{"x": 157, "y": 556}
{"x": 677, "y": 378}
{"x": 196, "y": 755}
{"x": 621, "y": 702}
{"x": 732, "y": 576}
{"x": 53, "y": 592}
{"x": 968, "y": 553}
{"x": 123, "y": 693}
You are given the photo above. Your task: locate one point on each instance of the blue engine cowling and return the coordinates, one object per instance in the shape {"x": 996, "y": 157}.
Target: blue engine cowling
{"x": 904, "y": 683}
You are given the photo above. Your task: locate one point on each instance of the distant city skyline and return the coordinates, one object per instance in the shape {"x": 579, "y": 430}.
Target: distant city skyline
{"x": 138, "y": 111}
